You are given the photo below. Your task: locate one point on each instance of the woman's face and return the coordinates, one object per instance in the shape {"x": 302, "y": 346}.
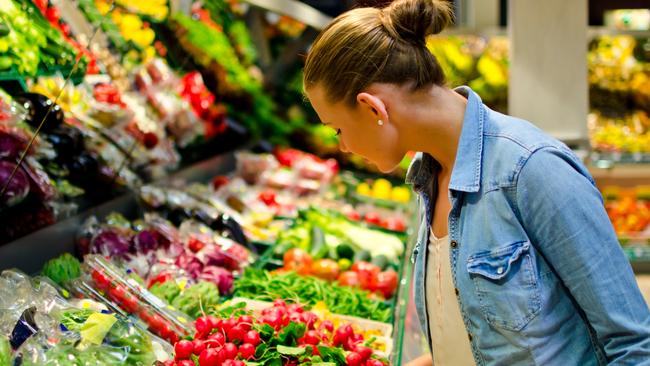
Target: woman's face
{"x": 359, "y": 131}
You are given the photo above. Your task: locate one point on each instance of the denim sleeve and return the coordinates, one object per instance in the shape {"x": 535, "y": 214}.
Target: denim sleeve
{"x": 563, "y": 213}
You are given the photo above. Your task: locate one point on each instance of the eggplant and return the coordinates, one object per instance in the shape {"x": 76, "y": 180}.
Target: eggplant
{"x": 37, "y": 106}
{"x": 83, "y": 169}
{"x": 67, "y": 141}
{"x": 11, "y": 145}
{"x": 18, "y": 188}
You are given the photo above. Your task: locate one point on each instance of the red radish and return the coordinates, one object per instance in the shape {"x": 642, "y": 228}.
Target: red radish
{"x": 374, "y": 362}
{"x": 183, "y": 349}
{"x": 327, "y": 325}
{"x": 364, "y": 351}
{"x": 198, "y": 346}
{"x": 353, "y": 359}
{"x": 309, "y": 319}
{"x": 295, "y": 317}
{"x": 311, "y": 337}
{"x": 238, "y": 363}
{"x": 215, "y": 323}
{"x": 252, "y": 337}
{"x": 246, "y": 321}
{"x": 202, "y": 325}
{"x": 216, "y": 340}
{"x": 295, "y": 308}
{"x": 230, "y": 351}
{"x": 227, "y": 324}
{"x": 185, "y": 363}
{"x": 236, "y": 333}
{"x": 279, "y": 303}
{"x": 247, "y": 351}
{"x": 209, "y": 357}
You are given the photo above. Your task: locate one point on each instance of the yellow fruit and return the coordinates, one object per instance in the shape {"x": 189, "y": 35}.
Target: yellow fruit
{"x": 363, "y": 189}
{"x": 382, "y": 189}
{"x": 401, "y": 194}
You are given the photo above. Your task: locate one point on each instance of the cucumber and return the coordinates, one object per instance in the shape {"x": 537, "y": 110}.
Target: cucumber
{"x": 345, "y": 251}
{"x": 380, "y": 261}
{"x": 319, "y": 248}
{"x": 280, "y": 249}
{"x": 362, "y": 256}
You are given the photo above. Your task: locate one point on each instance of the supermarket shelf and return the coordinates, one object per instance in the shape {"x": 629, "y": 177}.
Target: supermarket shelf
{"x": 593, "y": 32}
{"x": 296, "y": 10}
{"x": 30, "y": 252}
{"x": 608, "y": 172}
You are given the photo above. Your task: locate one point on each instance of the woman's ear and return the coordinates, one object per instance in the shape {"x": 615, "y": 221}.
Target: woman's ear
{"x": 373, "y": 104}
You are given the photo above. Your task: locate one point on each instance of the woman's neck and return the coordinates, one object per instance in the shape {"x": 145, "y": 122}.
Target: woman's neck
{"x": 435, "y": 120}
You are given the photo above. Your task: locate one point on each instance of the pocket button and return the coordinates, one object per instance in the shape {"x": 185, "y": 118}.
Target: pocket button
{"x": 500, "y": 270}
{"x": 454, "y": 243}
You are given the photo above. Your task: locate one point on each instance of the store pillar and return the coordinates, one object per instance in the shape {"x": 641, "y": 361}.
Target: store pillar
{"x": 548, "y": 74}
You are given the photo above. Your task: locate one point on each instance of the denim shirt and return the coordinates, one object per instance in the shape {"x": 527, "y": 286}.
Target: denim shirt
{"x": 539, "y": 273}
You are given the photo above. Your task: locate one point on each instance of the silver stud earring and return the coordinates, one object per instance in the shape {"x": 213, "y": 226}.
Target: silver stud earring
{"x": 380, "y": 122}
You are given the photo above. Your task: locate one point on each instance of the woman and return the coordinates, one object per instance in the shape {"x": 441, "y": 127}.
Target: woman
{"x": 517, "y": 262}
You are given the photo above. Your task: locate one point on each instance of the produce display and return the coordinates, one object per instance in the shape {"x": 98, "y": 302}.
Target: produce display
{"x": 28, "y": 43}
{"x": 619, "y": 84}
{"x": 40, "y": 327}
{"x": 263, "y": 285}
{"x": 277, "y": 335}
{"x": 629, "y": 210}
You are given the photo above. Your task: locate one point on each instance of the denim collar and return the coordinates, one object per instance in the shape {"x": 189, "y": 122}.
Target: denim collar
{"x": 466, "y": 174}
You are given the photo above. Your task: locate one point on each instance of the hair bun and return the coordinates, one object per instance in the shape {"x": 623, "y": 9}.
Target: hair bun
{"x": 414, "y": 20}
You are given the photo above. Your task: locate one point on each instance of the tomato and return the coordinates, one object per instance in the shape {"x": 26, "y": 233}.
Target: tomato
{"x": 101, "y": 280}
{"x": 183, "y": 349}
{"x": 268, "y": 197}
{"x": 349, "y": 278}
{"x": 117, "y": 293}
{"x": 219, "y": 181}
{"x": 195, "y": 244}
{"x": 326, "y": 269}
{"x": 209, "y": 357}
{"x": 386, "y": 283}
{"x": 161, "y": 278}
{"x": 354, "y": 215}
{"x": 353, "y": 359}
{"x": 252, "y": 337}
{"x": 247, "y": 351}
{"x": 373, "y": 218}
{"x": 367, "y": 273}
{"x": 130, "y": 303}
{"x": 297, "y": 260}
{"x": 394, "y": 224}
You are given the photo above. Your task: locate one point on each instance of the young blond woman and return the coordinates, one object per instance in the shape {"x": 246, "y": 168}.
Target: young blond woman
{"x": 516, "y": 261}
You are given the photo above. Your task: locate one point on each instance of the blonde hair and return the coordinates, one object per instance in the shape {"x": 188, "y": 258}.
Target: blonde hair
{"x": 370, "y": 45}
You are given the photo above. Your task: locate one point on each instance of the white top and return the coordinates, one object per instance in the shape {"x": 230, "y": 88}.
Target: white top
{"x": 450, "y": 342}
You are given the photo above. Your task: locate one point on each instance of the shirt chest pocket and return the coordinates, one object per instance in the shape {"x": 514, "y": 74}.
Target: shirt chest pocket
{"x": 506, "y": 285}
